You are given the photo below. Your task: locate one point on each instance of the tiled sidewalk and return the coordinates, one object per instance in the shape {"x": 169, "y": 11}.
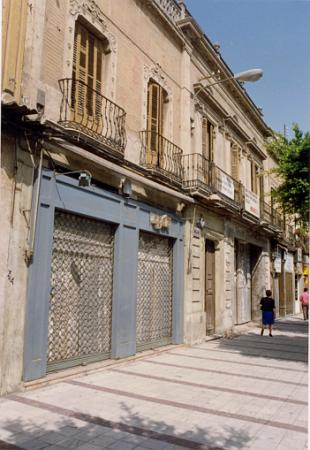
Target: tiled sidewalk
{"x": 249, "y": 392}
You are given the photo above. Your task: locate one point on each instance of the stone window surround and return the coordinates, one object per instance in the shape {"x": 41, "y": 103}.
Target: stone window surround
{"x": 92, "y": 15}
{"x": 155, "y": 73}
{"x": 200, "y": 113}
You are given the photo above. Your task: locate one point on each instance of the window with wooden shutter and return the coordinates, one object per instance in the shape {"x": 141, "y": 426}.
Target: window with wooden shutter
{"x": 88, "y": 54}
{"x": 235, "y": 161}
{"x": 154, "y": 116}
{"x": 207, "y": 139}
{"x": 254, "y": 177}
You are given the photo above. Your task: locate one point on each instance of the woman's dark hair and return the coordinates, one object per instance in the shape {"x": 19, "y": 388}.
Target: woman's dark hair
{"x": 268, "y": 293}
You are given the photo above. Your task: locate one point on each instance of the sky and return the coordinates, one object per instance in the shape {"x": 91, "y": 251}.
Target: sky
{"x": 270, "y": 34}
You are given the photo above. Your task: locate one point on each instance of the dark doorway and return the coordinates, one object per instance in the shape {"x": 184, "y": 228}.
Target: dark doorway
{"x": 210, "y": 287}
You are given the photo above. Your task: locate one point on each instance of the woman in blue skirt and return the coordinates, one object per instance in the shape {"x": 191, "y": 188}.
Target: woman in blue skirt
{"x": 268, "y": 312}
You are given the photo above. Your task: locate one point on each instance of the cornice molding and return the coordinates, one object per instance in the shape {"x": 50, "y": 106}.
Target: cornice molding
{"x": 212, "y": 57}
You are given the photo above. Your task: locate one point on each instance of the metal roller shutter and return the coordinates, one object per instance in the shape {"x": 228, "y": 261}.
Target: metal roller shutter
{"x": 154, "y": 293}
{"x": 80, "y": 307}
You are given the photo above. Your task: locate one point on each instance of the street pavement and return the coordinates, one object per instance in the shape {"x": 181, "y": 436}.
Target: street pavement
{"x": 243, "y": 392}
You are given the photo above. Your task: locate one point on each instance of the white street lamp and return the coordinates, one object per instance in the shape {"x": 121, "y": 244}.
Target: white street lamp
{"x": 247, "y": 75}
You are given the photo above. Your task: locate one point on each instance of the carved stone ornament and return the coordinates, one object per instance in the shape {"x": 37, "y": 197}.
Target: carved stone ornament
{"x": 90, "y": 10}
{"x": 156, "y": 73}
{"x": 90, "y": 7}
{"x": 200, "y": 107}
{"x": 160, "y": 221}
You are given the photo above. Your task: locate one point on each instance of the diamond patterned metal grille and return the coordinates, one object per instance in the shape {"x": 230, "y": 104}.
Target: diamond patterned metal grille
{"x": 154, "y": 296}
{"x": 80, "y": 307}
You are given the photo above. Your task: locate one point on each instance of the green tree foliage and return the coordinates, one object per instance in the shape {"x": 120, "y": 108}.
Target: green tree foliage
{"x": 292, "y": 156}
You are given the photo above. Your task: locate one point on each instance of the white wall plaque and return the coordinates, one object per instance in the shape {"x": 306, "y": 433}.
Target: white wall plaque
{"x": 226, "y": 185}
{"x": 289, "y": 263}
{"x": 251, "y": 203}
{"x": 277, "y": 264}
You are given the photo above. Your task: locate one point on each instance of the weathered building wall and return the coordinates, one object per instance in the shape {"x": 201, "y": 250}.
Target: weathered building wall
{"x": 16, "y": 189}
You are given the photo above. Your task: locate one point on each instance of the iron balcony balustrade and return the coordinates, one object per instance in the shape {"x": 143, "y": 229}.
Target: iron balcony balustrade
{"x": 87, "y": 111}
{"x": 290, "y": 233}
{"x": 171, "y": 8}
{"x": 205, "y": 178}
{"x": 161, "y": 157}
{"x": 272, "y": 216}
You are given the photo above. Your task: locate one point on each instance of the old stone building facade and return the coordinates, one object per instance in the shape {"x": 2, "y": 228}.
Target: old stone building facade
{"x": 135, "y": 200}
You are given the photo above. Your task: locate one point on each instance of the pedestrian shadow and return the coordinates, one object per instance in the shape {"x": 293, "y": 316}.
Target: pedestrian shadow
{"x": 289, "y": 342}
{"x": 132, "y": 431}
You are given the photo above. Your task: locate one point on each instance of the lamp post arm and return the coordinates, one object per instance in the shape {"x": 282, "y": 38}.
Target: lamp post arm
{"x": 213, "y": 84}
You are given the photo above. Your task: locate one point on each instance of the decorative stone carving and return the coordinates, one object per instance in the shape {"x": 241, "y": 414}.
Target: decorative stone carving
{"x": 200, "y": 107}
{"x": 92, "y": 12}
{"x": 156, "y": 73}
{"x": 90, "y": 7}
{"x": 171, "y": 9}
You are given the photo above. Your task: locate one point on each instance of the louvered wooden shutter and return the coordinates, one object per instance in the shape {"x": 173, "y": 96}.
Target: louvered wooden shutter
{"x": 254, "y": 179}
{"x": 261, "y": 187}
{"x": 211, "y": 133}
{"x": 98, "y": 76}
{"x": 87, "y": 72}
{"x": 154, "y": 116}
{"x": 235, "y": 161}
{"x": 205, "y": 138}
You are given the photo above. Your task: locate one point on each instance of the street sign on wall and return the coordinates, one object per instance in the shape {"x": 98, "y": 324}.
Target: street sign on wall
{"x": 277, "y": 264}
{"x": 226, "y": 186}
{"x": 289, "y": 263}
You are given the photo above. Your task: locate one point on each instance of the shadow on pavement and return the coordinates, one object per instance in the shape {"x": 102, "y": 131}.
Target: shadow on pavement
{"x": 136, "y": 431}
{"x": 289, "y": 342}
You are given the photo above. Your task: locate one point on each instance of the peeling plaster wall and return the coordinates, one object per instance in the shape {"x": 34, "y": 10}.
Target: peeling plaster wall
{"x": 16, "y": 184}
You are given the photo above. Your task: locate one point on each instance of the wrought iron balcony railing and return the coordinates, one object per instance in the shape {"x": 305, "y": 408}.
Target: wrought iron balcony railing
{"x": 197, "y": 172}
{"x": 161, "y": 156}
{"x": 290, "y": 233}
{"x": 272, "y": 216}
{"x": 278, "y": 220}
{"x": 268, "y": 213}
{"x": 206, "y": 177}
{"x": 86, "y": 110}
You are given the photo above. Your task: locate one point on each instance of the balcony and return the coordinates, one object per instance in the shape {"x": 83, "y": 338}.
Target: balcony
{"x": 204, "y": 179}
{"x": 85, "y": 112}
{"x": 289, "y": 234}
{"x": 160, "y": 157}
{"x": 171, "y": 8}
{"x": 229, "y": 189}
{"x": 272, "y": 218}
{"x": 197, "y": 174}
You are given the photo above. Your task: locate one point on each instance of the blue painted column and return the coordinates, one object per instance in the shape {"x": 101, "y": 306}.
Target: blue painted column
{"x": 124, "y": 291}
{"x": 36, "y": 319}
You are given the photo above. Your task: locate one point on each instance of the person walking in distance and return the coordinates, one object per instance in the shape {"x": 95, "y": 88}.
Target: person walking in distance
{"x": 304, "y": 299}
{"x": 268, "y": 311}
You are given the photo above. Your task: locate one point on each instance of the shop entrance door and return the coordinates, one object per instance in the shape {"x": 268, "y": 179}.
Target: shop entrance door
{"x": 80, "y": 306}
{"x": 243, "y": 283}
{"x": 154, "y": 292}
{"x": 210, "y": 287}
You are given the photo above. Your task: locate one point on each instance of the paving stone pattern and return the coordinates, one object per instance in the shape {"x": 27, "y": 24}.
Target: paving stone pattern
{"x": 248, "y": 392}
